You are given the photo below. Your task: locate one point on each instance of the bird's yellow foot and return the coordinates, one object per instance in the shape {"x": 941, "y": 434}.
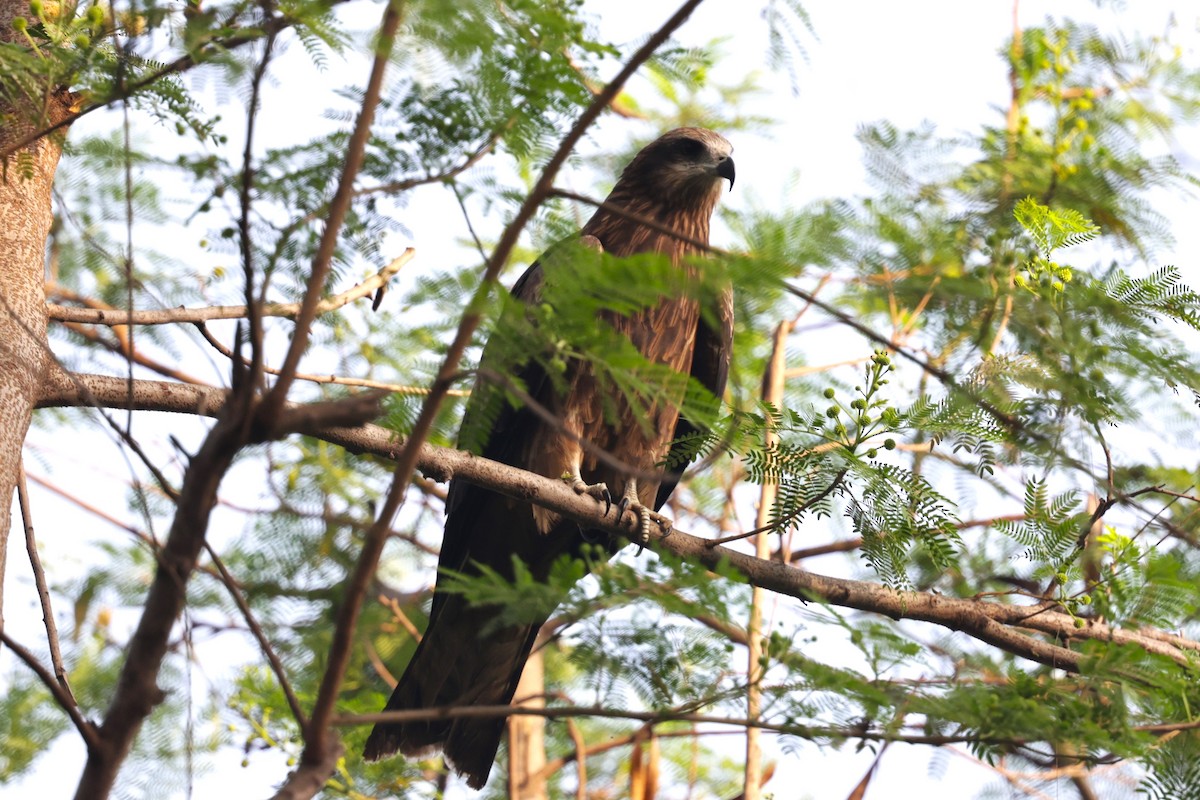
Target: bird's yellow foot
{"x": 596, "y": 490}
{"x": 630, "y": 501}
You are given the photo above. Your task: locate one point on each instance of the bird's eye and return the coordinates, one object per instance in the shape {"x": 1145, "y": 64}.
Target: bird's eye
{"x": 690, "y": 149}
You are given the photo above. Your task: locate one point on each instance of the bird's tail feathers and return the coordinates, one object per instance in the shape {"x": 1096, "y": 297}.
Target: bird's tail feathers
{"x": 455, "y": 671}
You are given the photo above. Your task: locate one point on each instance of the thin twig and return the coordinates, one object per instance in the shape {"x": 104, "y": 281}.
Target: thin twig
{"x": 39, "y": 580}
{"x": 835, "y": 483}
{"x": 121, "y": 347}
{"x": 849, "y": 733}
{"x": 581, "y": 792}
{"x": 256, "y": 630}
{"x": 127, "y": 265}
{"x": 252, "y": 375}
{"x": 338, "y": 208}
{"x": 405, "y": 184}
{"x": 842, "y": 546}
{"x": 166, "y": 316}
{"x": 394, "y": 606}
{"x": 338, "y": 380}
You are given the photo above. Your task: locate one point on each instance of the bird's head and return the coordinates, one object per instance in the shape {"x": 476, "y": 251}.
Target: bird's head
{"x": 682, "y": 167}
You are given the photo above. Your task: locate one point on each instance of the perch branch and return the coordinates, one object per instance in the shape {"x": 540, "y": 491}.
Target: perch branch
{"x": 992, "y": 622}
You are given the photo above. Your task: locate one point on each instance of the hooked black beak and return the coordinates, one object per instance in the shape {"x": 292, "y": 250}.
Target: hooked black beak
{"x": 725, "y": 170}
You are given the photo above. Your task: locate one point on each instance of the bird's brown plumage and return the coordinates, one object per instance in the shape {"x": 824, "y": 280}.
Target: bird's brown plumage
{"x": 674, "y": 181}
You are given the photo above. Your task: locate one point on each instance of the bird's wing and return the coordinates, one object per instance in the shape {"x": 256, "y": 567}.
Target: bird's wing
{"x": 710, "y": 366}
{"x": 507, "y": 436}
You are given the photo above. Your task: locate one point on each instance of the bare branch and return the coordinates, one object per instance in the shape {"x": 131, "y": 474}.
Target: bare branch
{"x": 338, "y": 208}
{"x": 992, "y": 622}
{"x": 256, "y": 630}
{"x": 122, "y": 347}
{"x": 568, "y": 712}
{"x": 39, "y": 581}
{"x": 252, "y": 375}
{"x": 394, "y": 388}
{"x": 166, "y": 316}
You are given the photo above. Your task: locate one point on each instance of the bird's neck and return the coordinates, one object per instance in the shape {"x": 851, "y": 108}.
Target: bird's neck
{"x": 626, "y": 225}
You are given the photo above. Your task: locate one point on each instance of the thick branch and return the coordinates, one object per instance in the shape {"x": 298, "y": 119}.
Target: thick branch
{"x": 989, "y": 621}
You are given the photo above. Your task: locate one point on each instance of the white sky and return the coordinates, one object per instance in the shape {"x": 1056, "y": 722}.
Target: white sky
{"x": 903, "y": 62}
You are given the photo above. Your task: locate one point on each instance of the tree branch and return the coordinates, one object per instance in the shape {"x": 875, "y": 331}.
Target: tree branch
{"x": 569, "y": 712}
{"x": 256, "y": 630}
{"x": 166, "y": 316}
{"x": 39, "y": 581}
{"x": 989, "y": 621}
{"x": 338, "y": 208}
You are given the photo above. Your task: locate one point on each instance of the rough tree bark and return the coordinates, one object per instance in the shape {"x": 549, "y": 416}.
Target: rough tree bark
{"x": 25, "y": 216}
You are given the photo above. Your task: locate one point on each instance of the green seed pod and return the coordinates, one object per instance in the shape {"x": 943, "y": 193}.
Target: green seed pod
{"x": 872, "y": 453}
{"x": 20, "y": 24}
{"x": 829, "y": 393}
{"x": 83, "y": 41}
{"x": 889, "y": 444}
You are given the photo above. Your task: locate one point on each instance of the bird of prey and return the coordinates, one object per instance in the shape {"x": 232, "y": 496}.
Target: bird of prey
{"x": 465, "y": 658}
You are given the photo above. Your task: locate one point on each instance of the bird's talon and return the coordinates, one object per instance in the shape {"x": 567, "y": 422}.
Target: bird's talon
{"x": 599, "y": 491}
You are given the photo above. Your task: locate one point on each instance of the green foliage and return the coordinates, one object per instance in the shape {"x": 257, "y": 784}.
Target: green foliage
{"x": 29, "y": 721}
{"x": 1051, "y": 528}
{"x": 1050, "y": 230}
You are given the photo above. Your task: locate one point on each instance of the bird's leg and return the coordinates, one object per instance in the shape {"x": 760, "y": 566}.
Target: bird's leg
{"x": 630, "y": 500}
{"x": 596, "y": 490}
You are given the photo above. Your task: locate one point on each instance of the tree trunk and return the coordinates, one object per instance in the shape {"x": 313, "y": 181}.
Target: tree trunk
{"x": 772, "y": 392}
{"x": 526, "y": 736}
{"x": 26, "y": 177}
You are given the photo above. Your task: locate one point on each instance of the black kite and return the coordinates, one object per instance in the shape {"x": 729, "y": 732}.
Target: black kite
{"x": 674, "y": 181}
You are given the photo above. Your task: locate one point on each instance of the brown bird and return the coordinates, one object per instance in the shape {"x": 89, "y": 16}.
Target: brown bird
{"x": 465, "y": 658}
